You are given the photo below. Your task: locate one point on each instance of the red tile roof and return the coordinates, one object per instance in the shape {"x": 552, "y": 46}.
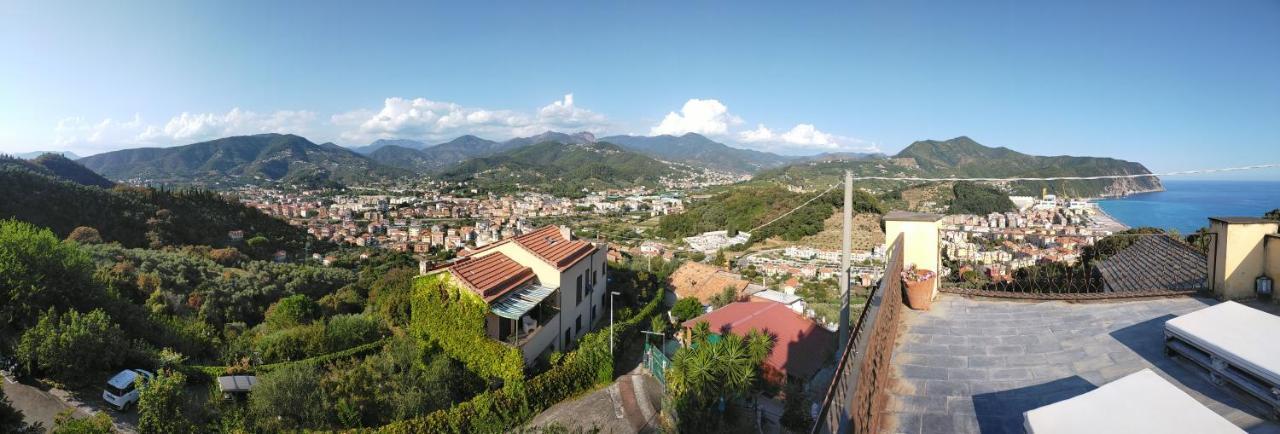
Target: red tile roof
{"x": 802, "y": 346}
{"x": 551, "y": 246}
{"x": 492, "y": 275}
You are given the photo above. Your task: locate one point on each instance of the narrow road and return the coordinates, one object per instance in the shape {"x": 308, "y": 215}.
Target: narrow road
{"x": 37, "y": 406}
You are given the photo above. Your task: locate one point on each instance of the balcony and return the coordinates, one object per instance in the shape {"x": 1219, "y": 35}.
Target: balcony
{"x": 521, "y": 314}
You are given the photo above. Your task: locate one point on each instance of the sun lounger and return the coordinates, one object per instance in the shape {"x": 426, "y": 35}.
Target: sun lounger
{"x": 1235, "y": 343}
{"x": 1141, "y": 402}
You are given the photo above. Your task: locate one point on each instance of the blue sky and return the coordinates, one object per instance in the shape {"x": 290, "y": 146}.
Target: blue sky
{"x": 1173, "y": 84}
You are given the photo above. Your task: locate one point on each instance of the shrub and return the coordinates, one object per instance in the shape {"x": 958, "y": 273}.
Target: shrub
{"x": 294, "y": 343}
{"x": 346, "y": 331}
{"x": 57, "y": 345}
{"x": 686, "y": 309}
{"x": 162, "y": 405}
{"x": 37, "y": 271}
{"x": 289, "y": 398}
{"x": 66, "y": 423}
{"x": 291, "y": 311}
{"x": 85, "y": 235}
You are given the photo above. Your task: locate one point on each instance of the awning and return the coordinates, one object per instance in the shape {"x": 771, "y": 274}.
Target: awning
{"x": 520, "y": 301}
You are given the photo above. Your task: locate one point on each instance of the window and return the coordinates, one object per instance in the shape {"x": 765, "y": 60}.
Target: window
{"x": 593, "y": 314}
{"x": 577, "y": 325}
{"x": 579, "y": 290}
{"x": 568, "y": 337}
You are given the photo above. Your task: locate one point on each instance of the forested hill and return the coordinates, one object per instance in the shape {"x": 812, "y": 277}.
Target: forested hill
{"x": 562, "y": 169}
{"x": 696, "y": 149}
{"x": 283, "y": 158}
{"x": 144, "y": 217}
{"x": 746, "y": 206}
{"x": 963, "y": 157}
{"x": 57, "y": 166}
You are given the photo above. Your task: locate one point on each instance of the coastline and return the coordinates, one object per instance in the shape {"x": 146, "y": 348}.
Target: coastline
{"x": 1103, "y": 221}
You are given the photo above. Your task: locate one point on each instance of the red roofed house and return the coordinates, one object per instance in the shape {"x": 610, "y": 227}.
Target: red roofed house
{"x": 544, "y": 288}
{"x": 802, "y": 346}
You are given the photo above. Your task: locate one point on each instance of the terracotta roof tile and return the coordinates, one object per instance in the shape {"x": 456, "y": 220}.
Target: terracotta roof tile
{"x": 491, "y": 276}
{"x": 548, "y": 244}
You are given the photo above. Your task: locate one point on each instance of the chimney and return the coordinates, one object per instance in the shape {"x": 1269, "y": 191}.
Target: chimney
{"x": 565, "y": 232}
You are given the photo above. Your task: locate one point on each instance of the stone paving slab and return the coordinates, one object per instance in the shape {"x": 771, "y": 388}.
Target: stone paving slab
{"x": 975, "y": 365}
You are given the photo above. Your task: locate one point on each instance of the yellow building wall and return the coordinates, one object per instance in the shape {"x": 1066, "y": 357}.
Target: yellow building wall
{"x": 919, "y": 243}
{"x": 1239, "y": 258}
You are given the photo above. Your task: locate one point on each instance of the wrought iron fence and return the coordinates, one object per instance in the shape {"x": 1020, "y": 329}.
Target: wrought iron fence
{"x": 1074, "y": 267}
{"x": 856, "y": 398}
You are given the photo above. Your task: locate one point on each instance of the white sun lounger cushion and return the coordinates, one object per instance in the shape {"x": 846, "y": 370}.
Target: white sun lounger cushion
{"x": 1243, "y": 336}
{"x": 1141, "y": 402}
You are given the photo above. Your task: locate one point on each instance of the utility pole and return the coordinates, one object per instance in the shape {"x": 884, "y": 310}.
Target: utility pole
{"x": 846, "y": 244}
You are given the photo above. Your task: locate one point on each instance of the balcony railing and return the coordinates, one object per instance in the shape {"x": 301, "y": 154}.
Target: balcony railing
{"x": 857, "y": 395}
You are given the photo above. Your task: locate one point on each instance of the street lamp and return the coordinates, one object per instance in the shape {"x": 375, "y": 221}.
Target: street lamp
{"x": 611, "y": 294}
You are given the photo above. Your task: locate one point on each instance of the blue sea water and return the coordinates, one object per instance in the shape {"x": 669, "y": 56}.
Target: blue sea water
{"x": 1187, "y": 205}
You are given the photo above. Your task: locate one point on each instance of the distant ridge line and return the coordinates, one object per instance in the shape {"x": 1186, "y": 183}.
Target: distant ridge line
{"x": 1066, "y": 178}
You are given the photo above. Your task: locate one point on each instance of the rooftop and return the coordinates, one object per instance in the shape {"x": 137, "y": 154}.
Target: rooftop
{"x": 550, "y": 245}
{"x": 795, "y": 334}
{"x": 975, "y": 365}
{"x": 1243, "y": 220}
{"x": 491, "y": 276}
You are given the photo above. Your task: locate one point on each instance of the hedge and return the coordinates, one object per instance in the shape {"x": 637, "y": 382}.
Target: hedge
{"x": 516, "y": 403}
{"x": 454, "y": 318}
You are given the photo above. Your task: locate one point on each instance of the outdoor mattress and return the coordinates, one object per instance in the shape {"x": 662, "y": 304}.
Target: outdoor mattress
{"x": 1141, "y": 402}
{"x": 1243, "y": 336}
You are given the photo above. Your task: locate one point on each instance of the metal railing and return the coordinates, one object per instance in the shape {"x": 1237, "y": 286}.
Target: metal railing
{"x": 1074, "y": 267}
{"x": 857, "y": 395}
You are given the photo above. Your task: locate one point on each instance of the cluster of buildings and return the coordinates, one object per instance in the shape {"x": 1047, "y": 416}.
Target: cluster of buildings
{"x": 1042, "y": 230}
{"x": 710, "y": 242}
{"x": 423, "y": 222}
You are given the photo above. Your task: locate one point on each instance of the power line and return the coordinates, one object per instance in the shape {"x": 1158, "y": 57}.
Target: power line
{"x": 824, "y": 192}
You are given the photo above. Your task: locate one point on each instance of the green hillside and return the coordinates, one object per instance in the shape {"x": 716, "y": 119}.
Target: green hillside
{"x": 963, "y": 157}
{"x": 57, "y": 166}
{"x": 558, "y": 168}
{"x": 144, "y": 217}
{"x": 748, "y": 205}
{"x": 262, "y": 158}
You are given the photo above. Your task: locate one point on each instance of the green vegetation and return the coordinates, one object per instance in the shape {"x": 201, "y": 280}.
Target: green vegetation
{"x": 66, "y": 423}
{"x": 686, "y": 309}
{"x": 746, "y": 206}
{"x": 261, "y": 158}
{"x": 162, "y": 407}
{"x": 57, "y": 345}
{"x": 962, "y": 157}
{"x": 708, "y": 371}
{"x": 971, "y": 198}
{"x": 588, "y": 366}
{"x": 454, "y": 318}
{"x": 58, "y": 167}
{"x": 143, "y": 217}
{"x": 560, "y": 169}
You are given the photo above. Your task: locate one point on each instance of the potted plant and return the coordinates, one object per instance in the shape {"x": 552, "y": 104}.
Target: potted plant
{"x": 919, "y": 285}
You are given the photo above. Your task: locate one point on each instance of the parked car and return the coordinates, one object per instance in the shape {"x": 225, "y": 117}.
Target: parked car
{"x": 122, "y": 390}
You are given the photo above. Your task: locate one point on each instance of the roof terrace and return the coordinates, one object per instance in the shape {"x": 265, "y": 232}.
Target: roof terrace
{"x": 976, "y": 364}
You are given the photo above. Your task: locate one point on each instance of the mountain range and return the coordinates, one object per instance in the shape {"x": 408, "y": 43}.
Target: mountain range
{"x": 422, "y": 158}
{"x": 963, "y": 157}
{"x": 284, "y": 158}
{"x": 58, "y": 167}
{"x": 33, "y": 155}
{"x": 566, "y": 169}
{"x": 698, "y": 150}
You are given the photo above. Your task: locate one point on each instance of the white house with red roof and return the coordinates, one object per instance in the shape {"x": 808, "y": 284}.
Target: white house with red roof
{"x": 544, "y": 288}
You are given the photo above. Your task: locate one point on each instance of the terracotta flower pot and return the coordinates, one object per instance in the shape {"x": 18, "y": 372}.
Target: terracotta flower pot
{"x": 919, "y": 294}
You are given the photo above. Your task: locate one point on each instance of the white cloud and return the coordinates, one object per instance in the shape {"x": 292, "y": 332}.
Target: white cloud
{"x": 712, "y": 118}
{"x": 703, "y": 116}
{"x": 78, "y": 134}
{"x": 425, "y": 119}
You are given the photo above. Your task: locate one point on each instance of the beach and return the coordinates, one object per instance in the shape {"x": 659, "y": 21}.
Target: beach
{"x": 1100, "y": 220}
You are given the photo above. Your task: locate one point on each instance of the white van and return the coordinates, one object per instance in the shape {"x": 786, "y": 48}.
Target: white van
{"x": 122, "y": 390}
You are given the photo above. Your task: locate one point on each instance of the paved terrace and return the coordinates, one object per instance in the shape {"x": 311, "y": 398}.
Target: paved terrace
{"x": 974, "y": 365}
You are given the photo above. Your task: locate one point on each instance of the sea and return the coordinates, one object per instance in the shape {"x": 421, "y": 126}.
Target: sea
{"x": 1186, "y": 205}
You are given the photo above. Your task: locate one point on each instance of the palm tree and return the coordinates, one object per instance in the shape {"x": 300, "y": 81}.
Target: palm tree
{"x": 701, "y": 375}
